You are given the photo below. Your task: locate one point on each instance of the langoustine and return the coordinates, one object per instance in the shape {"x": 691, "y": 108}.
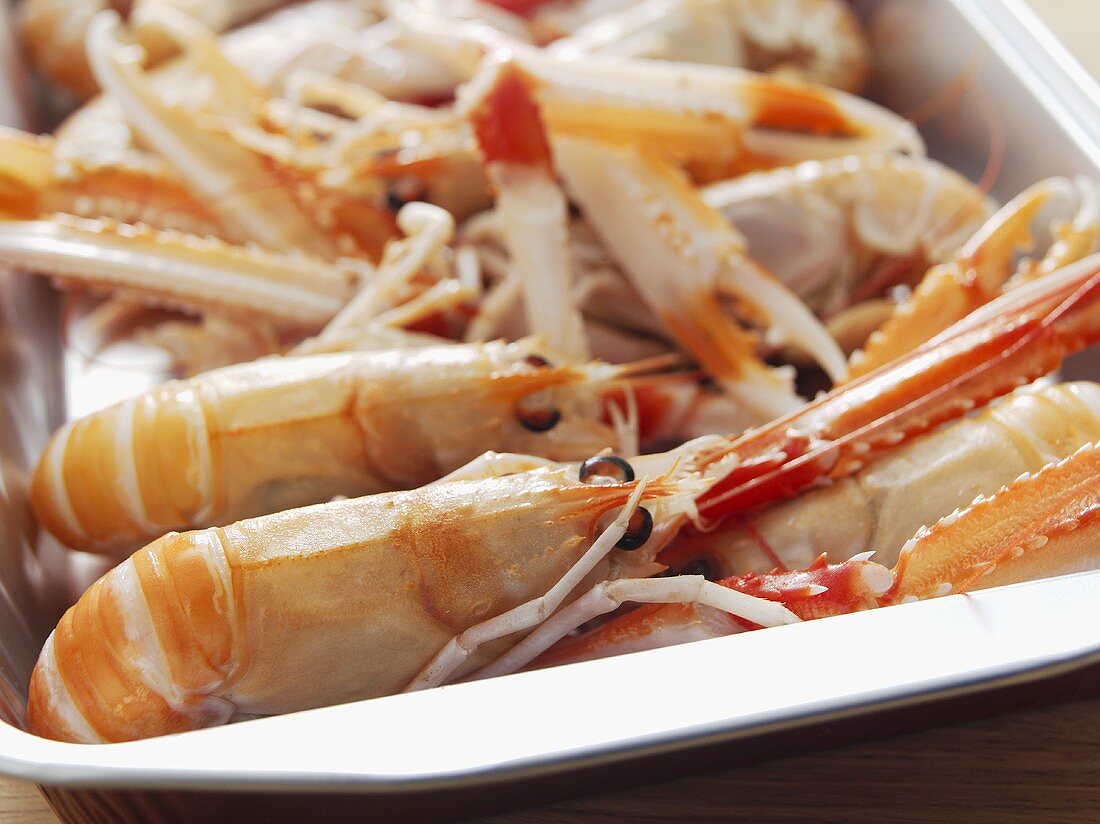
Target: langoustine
{"x": 986, "y": 266}
{"x": 406, "y": 570}
{"x": 620, "y": 185}
{"x": 358, "y": 47}
{"x": 244, "y": 633}
{"x": 819, "y": 40}
{"x": 106, "y": 132}
{"x": 703, "y": 482}
{"x": 530, "y": 112}
{"x": 285, "y": 432}
{"x": 843, "y": 231}
{"x": 53, "y": 32}
{"x": 841, "y": 234}
{"x": 816, "y": 40}
{"x": 207, "y": 139}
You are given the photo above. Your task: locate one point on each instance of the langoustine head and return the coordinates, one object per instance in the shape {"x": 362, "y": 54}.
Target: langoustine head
{"x": 518, "y": 397}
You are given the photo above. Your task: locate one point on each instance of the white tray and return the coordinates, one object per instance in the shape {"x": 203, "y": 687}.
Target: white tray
{"x": 480, "y": 746}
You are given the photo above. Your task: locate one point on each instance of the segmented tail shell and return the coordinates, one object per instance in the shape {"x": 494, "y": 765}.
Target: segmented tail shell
{"x": 134, "y": 470}
{"x": 145, "y": 650}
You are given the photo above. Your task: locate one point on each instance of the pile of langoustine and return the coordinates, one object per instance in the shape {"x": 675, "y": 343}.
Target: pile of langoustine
{"x": 474, "y": 266}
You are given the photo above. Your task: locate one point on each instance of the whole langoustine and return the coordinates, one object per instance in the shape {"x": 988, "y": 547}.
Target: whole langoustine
{"x": 203, "y": 626}
{"x": 284, "y": 432}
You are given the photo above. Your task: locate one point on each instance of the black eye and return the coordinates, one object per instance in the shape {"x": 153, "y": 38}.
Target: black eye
{"x": 536, "y": 362}
{"x": 606, "y": 469}
{"x": 638, "y": 529}
{"x": 536, "y": 419}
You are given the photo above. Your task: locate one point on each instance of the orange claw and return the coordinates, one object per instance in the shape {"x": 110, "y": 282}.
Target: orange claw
{"x": 1038, "y": 526}
{"x": 507, "y": 123}
{"x": 981, "y": 272}
{"x": 1008, "y": 343}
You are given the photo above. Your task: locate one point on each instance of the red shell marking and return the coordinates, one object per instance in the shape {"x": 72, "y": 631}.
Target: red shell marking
{"x": 972, "y": 363}
{"x": 507, "y": 123}
{"x": 799, "y": 591}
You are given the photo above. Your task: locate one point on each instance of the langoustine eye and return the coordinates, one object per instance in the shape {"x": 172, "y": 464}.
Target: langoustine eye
{"x": 611, "y": 469}
{"x": 535, "y": 417}
{"x": 638, "y": 530}
{"x": 534, "y": 411}
{"x": 536, "y": 361}
{"x": 606, "y": 469}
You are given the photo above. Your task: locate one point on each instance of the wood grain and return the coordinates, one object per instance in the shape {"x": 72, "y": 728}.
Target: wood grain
{"x": 1036, "y": 765}
{"x": 21, "y": 802}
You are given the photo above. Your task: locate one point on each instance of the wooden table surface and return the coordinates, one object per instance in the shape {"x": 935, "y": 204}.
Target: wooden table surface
{"x": 1034, "y": 765}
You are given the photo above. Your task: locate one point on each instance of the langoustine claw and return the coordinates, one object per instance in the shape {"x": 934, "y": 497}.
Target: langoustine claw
{"x": 1039, "y": 525}
{"x": 526, "y": 111}
{"x": 845, "y": 230}
{"x": 878, "y": 508}
{"x": 985, "y": 267}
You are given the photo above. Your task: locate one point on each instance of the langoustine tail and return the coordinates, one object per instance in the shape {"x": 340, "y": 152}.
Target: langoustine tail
{"x": 146, "y": 651}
